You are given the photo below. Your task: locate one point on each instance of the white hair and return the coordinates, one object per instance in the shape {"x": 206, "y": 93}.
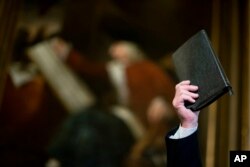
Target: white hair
{"x": 133, "y": 51}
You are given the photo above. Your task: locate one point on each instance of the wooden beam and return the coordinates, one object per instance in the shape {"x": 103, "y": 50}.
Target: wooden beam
{"x": 9, "y": 12}
{"x": 212, "y": 110}
{"x": 245, "y": 126}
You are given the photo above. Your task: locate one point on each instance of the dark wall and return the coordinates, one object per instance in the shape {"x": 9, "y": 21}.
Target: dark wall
{"x": 159, "y": 26}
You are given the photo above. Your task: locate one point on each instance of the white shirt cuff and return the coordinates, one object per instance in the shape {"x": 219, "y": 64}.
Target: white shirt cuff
{"x": 183, "y": 132}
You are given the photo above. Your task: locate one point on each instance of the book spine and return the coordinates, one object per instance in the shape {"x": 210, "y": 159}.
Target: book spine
{"x": 216, "y": 59}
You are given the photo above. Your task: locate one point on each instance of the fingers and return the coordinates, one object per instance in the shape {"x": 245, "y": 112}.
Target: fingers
{"x": 186, "y": 86}
{"x": 186, "y": 82}
{"x": 188, "y": 93}
{"x": 186, "y": 97}
{"x": 185, "y": 92}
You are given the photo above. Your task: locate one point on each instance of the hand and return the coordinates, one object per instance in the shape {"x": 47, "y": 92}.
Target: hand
{"x": 185, "y": 92}
{"x": 60, "y": 47}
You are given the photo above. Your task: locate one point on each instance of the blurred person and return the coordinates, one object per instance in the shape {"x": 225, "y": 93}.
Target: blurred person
{"x": 27, "y": 109}
{"x": 24, "y": 86}
{"x": 22, "y": 98}
{"x": 182, "y": 142}
{"x": 92, "y": 137}
{"x": 143, "y": 90}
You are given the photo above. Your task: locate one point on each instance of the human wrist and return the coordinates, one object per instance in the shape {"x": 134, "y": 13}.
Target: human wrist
{"x": 189, "y": 119}
{"x": 189, "y": 124}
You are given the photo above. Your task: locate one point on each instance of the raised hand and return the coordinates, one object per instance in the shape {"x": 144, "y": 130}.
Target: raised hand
{"x": 186, "y": 92}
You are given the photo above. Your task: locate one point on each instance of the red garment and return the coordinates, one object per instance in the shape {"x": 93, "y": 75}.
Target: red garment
{"x": 29, "y": 116}
{"x": 20, "y": 104}
{"x": 145, "y": 81}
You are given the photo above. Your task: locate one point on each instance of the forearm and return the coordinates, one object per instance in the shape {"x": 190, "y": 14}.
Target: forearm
{"x": 82, "y": 65}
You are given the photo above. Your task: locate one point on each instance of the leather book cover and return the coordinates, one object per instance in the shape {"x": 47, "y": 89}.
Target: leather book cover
{"x": 196, "y": 61}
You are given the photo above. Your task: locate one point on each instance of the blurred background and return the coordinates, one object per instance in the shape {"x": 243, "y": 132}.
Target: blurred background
{"x": 41, "y": 126}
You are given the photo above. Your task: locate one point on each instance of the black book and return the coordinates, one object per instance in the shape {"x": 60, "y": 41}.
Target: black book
{"x": 196, "y": 61}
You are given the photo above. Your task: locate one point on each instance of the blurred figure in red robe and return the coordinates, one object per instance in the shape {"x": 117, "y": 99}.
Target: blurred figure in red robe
{"x": 143, "y": 90}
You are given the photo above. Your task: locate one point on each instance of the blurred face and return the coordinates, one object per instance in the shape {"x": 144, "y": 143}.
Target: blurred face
{"x": 120, "y": 53}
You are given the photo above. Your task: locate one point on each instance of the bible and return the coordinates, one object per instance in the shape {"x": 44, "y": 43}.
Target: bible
{"x": 196, "y": 61}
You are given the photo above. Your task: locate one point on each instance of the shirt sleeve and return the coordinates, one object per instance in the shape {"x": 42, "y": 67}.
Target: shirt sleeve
{"x": 183, "y": 132}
